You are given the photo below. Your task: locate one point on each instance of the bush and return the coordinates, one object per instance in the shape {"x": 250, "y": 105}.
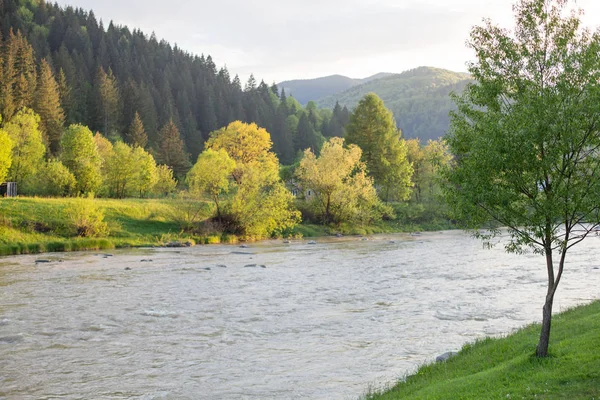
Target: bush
{"x": 87, "y": 218}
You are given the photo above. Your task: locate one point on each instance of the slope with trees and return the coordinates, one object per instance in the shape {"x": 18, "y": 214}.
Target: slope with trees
{"x": 419, "y": 99}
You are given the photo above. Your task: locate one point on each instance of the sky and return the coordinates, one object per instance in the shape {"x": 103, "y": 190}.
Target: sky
{"x": 277, "y": 40}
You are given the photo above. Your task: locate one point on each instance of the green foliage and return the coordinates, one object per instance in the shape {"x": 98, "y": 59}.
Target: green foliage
{"x": 165, "y": 182}
{"x": 211, "y": 175}
{"x": 47, "y": 105}
{"x": 526, "y": 135}
{"x": 340, "y": 188}
{"x": 120, "y": 170}
{"x": 261, "y": 206}
{"x": 87, "y": 218}
{"x": 171, "y": 149}
{"x": 28, "y": 149}
{"x": 55, "y": 180}
{"x": 80, "y": 155}
{"x": 427, "y": 161}
{"x": 418, "y": 99}
{"x": 373, "y": 129}
{"x": 6, "y": 146}
{"x": 145, "y": 173}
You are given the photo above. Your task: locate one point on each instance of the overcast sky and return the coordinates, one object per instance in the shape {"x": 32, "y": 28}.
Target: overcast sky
{"x": 290, "y": 39}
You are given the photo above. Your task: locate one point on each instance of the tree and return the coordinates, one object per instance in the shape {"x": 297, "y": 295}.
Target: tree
{"x": 107, "y": 101}
{"x": 80, "y": 155}
{"x": 165, "y": 183}
{"x": 526, "y": 137}
{"x": 136, "y": 136}
{"x": 342, "y": 189}
{"x": 55, "y": 180}
{"x": 261, "y": 206}
{"x": 28, "y": 148}
{"x": 145, "y": 174}
{"x": 306, "y": 137}
{"x": 373, "y": 129}
{"x": 211, "y": 175}
{"x": 6, "y": 146}
{"x": 120, "y": 170}
{"x": 47, "y": 105}
{"x": 171, "y": 150}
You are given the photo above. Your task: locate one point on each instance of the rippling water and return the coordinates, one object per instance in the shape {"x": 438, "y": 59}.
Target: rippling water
{"x": 320, "y": 321}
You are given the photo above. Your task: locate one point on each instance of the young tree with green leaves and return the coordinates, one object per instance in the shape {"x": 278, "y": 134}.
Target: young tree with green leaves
{"x": 145, "y": 174}
{"x": 28, "y": 148}
{"x": 165, "y": 183}
{"x": 526, "y": 137}
{"x": 372, "y": 128}
{"x": 342, "y": 190}
{"x": 211, "y": 175}
{"x": 6, "y": 146}
{"x": 80, "y": 155}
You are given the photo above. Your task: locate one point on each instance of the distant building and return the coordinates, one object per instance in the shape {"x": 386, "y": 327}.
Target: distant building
{"x": 8, "y": 189}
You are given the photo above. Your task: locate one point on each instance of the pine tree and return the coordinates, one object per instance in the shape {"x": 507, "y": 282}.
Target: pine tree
{"x": 171, "y": 150}
{"x": 24, "y": 82}
{"x": 136, "y": 135}
{"x": 305, "y": 136}
{"x": 107, "y": 100}
{"x": 47, "y": 106}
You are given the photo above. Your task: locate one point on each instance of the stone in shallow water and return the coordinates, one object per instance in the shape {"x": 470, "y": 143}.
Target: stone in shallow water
{"x": 444, "y": 357}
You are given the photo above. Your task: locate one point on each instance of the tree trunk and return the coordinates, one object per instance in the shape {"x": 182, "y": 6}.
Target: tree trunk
{"x": 542, "y": 347}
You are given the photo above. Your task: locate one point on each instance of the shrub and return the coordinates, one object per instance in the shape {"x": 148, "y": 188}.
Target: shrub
{"x": 87, "y": 218}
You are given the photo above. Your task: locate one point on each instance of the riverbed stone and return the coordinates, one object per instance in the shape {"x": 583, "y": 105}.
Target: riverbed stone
{"x": 42, "y": 261}
{"x": 444, "y": 357}
{"x": 178, "y": 243}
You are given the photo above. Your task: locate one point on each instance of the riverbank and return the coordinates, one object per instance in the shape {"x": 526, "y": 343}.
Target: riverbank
{"x": 37, "y": 225}
{"x": 506, "y": 368}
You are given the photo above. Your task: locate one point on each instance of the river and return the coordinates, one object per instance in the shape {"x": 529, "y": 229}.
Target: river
{"x": 319, "y": 321}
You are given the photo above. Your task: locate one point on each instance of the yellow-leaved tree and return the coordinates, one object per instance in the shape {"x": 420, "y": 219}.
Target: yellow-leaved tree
{"x": 238, "y": 167}
{"x": 337, "y": 185}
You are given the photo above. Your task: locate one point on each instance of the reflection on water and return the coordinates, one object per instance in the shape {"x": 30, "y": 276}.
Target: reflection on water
{"x": 319, "y": 321}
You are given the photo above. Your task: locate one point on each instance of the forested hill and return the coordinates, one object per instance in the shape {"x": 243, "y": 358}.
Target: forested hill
{"x": 305, "y": 90}
{"x": 105, "y": 74}
{"x": 419, "y": 99}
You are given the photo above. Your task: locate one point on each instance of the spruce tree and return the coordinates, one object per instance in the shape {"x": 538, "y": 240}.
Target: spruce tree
{"x": 136, "y": 135}
{"x": 107, "y": 100}
{"x": 171, "y": 150}
{"x": 47, "y": 106}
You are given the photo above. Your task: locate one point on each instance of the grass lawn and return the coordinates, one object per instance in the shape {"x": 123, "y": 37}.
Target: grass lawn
{"x": 506, "y": 368}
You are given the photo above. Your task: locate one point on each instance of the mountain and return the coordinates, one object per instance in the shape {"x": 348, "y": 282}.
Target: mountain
{"x": 305, "y": 90}
{"x": 419, "y": 99}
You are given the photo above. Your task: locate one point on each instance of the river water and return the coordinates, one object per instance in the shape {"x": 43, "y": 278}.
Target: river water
{"x": 320, "y": 321}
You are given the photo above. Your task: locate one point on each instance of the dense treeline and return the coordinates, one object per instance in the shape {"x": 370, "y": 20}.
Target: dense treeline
{"x": 71, "y": 69}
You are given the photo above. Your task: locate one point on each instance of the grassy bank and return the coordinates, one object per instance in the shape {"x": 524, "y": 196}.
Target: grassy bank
{"x": 36, "y": 225}
{"x": 507, "y": 369}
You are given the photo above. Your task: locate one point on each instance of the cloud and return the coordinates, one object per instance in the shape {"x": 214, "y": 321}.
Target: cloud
{"x": 279, "y": 39}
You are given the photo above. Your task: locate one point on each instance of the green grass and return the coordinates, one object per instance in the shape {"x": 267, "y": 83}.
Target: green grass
{"x": 35, "y": 225}
{"x": 506, "y": 368}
